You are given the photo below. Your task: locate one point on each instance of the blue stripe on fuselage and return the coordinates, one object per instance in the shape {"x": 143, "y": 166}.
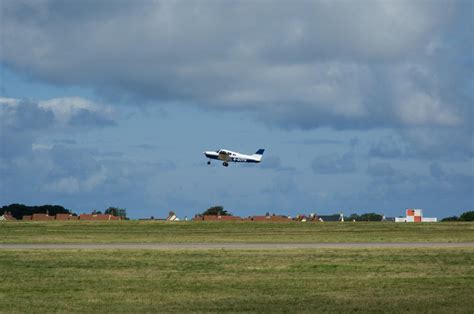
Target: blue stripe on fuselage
{"x": 243, "y": 160}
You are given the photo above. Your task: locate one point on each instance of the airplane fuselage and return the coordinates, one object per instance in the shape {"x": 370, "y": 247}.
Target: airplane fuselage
{"x": 229, "y": 156}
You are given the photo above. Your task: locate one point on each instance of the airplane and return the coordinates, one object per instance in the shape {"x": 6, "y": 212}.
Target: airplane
{"x": 229, "y": 156}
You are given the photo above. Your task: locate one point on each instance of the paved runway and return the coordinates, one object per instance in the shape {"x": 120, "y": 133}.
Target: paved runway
{"x": 226, "y": 246}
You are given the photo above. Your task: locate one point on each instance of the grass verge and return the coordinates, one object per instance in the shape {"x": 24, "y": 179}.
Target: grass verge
{"x": 333, "y": 280}
{"x": 231, "y": 232}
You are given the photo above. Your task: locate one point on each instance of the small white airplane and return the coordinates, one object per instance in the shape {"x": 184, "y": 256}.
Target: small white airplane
{"x": 229, "y": 156}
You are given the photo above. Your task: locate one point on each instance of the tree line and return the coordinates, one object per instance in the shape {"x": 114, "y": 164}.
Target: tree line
{"x": 20, "y": 210}
{"x": 466, "y": 216}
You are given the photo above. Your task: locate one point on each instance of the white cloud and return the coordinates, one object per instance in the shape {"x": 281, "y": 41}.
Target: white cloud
{"x": 64, "y": 109}
{"x": 74, "y": 185}
{"x": 422, "y": 109}
{"x": 10, "y": 102}
{"x": 68, "y": 185}
{"x": 25, "y": 114}
{"x": 95, "y": 180}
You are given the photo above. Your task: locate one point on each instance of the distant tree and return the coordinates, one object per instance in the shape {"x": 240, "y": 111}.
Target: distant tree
{"x": 452, "y": 218}
{"x": 20, "y": 210}
{"x": 116, "y": 211}
{"x": 216, "y": 210}
{"x": 467, "y": 216}
{"x": 354, "y": 217}
{"x": 370, "y": 217}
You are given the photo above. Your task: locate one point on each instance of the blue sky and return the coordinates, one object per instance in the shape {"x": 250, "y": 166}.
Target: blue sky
{"x": 360, "y": 107}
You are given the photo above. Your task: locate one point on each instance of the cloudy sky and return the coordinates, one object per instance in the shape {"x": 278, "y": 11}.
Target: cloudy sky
{"x": 361, "y": 105}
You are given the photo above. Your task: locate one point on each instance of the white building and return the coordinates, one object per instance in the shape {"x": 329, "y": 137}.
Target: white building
{"x": 415, "y": 215}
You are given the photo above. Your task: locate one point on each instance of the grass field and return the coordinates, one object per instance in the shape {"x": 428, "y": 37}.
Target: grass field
{"x": 320, "y": 280}
{"x": 292, "y": 280}
{"x": 215, "y": 232}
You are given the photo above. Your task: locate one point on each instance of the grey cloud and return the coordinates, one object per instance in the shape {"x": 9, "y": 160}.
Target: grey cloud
{"x": 274, "y": 163}
{"x": 282, "y": 192}
{"x": 428, "y": 143}
{"x": 72, "y": 162}
{"x": 436, "y": 170}
{"x": 384, "y": 174}
{"x": 27, "y": 167}
{"x": 436, "y": 193}
{"x": 14, "y": 143}
{"x": 271, "y": 162}
{"x": 19, "y": 119}
{"x": 299, "y": 65}
{"x": 333, "y": 164}
{"x": 380, "y": 170}
{"x": 434, "y": 143}
{"x": 65, "y": 141}
{"x": 87, "y": 118}
{"x": 451, "y": 181}
{"x": 321, "y": 142}
{"x": 24, "y": 115}
{"x": 387, "y": 147}
{"x": 111, "y": 154}
{"x": 146, "y": 146}
{"x": 22, "y": 121}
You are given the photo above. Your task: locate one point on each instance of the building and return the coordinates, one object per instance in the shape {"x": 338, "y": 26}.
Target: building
{"x": 415, "y": 215}
{"x": 270, "y": 218}
{"x": 216, "y": 218}
{"x": 172, "y": 216}
{"x": 41, "y": 217}
{"x": 7, "y": 216}
{"x": 98, "y": 217}
{"x": 64, "y": 217}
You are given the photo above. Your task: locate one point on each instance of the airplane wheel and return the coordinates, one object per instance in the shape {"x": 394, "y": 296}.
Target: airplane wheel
{"x": 209, "y": 162}
{"x": 225, "y": 164}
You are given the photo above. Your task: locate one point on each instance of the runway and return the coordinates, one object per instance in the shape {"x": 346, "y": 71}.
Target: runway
{"x": 226, "y": 246}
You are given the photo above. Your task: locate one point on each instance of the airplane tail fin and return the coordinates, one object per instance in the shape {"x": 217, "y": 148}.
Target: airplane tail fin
{"x": 258, "y": 154}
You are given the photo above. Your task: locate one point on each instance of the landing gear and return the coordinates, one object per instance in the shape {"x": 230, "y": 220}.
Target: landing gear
{"x": 225, "y": 164}
{"x": 209, "y": 162}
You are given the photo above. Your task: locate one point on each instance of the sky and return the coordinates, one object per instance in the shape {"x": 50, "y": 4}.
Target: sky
{"x": 361, "y": 106}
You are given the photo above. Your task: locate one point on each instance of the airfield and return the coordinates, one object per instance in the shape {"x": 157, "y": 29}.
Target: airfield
{"x": 226, "y": 246}
{"x": 138, "y": 266}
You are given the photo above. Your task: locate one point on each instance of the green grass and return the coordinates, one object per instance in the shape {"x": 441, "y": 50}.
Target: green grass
{"x": 318, "y": 280}
{"x": 214, "y": 232}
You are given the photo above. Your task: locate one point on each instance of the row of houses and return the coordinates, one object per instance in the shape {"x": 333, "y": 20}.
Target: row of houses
{"x": 61, "y": 217}
{"x": 237, "y": 218}
{"x": 412, "y": 215}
